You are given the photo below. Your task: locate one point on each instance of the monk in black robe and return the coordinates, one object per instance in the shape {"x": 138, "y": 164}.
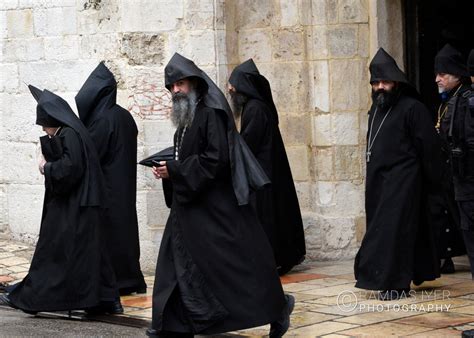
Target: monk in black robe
{"x": 402, "y": 162}
{"x": 277, "y": 205}
{"x": 114, "y": 134}
{"x": 457, "y": 132}
{"x": 215, "y": 270}
{"x": 69, "y": 269}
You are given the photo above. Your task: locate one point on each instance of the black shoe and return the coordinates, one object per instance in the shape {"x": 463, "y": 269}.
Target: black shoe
{"x": 279, "y": 328}
{"x": 4, "y": 300}
{"x": 106, "y": 307}
{"x": 447, "y": 267}
{"x": 152, "y": 332}
{"x": 467, "y": 333}
{"x": 394, "y": 294}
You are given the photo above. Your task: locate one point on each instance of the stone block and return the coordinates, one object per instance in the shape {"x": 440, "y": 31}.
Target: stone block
{"x": 351, "y": 11}
{"x": 135, "y": 14}
{"x": 3, "y": 24}
{"x": 8, "y": 4}
{"x": 313, "y": 236}
{"x": 360, "y": 227}
{"x": 342, "y": 41}
{"x": 295, "y": 129}
{"x": 149, "y": 252}
{"x": 98, "y": 16}
{"x": 21, "y": 163}
{"x": 200, "y": 47}
{"x": 196, "y": 19}
{"x": 320, "y": 84}
{"x": 319, "y": 12}
{"x": 25, "y": 205}
{"x": 142, "y": 48}
{"x": 363, "y": 127}
{"x": 347, "y": 78}
{"x": 18, "y": 118}
{"x": 255, "y": 14}
{"x": 323, "y": 164}
{"x": 299, "y": 162}
{"x": 158, "y": 132}
{"x": 289, "y": 13}
{"x": 157, "y": 211}
{"x": 46, "y": 3}
{"x": 349, "y": 198}
{"x": 338, "y": 232}
{"x": 61, "y": 48}
{"x": 332, "y": 9}
{"x": 255, "y": 44}
{"x": 318, "y": 43}
{"x": 15, "y": 50}
{"x": 289, "y": 45}
{"x": 65, "y": 76}
{"x": 19, "y": 23}
{"x": 100, "y": 46}
{"x": 345, "y": 128}
{"x": 290, "y": 85}
{"x": 9, "y": 81}
{"x": 55, "y": 21}
{"x": 363, "y": 40}
{"x": 347, "y": 163}
{"x": 304, "y": 192}
{"x": 3, "y": 210}
{"x": 322, "y": 130}
{"x": 148, "y": 98}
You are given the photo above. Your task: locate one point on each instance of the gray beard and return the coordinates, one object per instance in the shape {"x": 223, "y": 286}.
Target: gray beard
{"x": 237, "y": 102}
{"x": 184, "y": 106}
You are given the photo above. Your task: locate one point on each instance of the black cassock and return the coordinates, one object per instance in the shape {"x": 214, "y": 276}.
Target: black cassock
{"x": 69, "y": 270}
{"x": 215, "y": 270}
{"x": 398, "y": 246}
{"x": 114, "y": 133}
{"x": 277, "y": 205}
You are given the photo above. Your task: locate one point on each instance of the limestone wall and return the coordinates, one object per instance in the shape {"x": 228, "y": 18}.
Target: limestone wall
{"x": 314, "y": 52}
{"x": 55, "y": 44}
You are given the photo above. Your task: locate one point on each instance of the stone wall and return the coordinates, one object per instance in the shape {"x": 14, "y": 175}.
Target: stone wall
{"x": 55, "y": 44}
{"x": 315, "y": 54}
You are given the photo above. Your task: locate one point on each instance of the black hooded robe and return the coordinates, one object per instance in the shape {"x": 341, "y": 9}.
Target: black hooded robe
{"x": 277, "y": 205}
{"x": 398, "y": 245}
{"x": 69, "y": 269}
{"x": 114, "y": 133}
{"x": 215, "y": 271}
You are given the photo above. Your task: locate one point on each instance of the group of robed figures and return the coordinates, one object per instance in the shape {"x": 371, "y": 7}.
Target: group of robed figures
{"x": 234, "y": 222}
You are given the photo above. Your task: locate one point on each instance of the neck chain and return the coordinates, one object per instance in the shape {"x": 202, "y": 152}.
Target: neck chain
{"x": 441, "y": 114}
{"x": 371, "y": 140}
{"x": 179, "y": 142}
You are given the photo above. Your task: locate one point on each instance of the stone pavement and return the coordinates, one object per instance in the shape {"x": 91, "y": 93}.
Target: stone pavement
{"x": 327, "y": 304}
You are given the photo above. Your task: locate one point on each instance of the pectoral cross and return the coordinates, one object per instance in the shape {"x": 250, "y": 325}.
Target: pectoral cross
{"x": 368, "y": 156}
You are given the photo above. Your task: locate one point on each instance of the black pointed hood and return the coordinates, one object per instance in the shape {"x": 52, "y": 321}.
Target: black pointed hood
{"x": 42, "y": 118}
{"x": 470, "y": 63}
{"x": 55, "y": 107}
{"x": 450, "y": 61}
{"x": 98, "y": 93}
{"x": 384, "y": 68}
{"x": 247, "y": 80}
{"x": 245, "y": 170}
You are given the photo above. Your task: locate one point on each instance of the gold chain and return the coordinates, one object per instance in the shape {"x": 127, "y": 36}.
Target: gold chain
{"x": 441, "y": 114}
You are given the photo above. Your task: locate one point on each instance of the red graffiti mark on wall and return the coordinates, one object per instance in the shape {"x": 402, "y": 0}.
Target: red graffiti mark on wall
{"x": 150, "y": 101}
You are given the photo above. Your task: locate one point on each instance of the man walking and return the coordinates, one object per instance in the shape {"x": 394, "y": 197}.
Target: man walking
{"x": 277, "y": 205}
{"x": 402, "y": 157}
{"x": 215, "y": 270}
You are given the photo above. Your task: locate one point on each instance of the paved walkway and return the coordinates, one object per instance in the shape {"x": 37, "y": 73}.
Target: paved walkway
{"x": 327, "y": 304}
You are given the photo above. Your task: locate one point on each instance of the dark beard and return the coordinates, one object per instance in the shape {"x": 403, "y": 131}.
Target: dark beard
{"x": 237, "y": 101}
{"x": 184, "y": 105}
{"x": 385, "y": 98}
